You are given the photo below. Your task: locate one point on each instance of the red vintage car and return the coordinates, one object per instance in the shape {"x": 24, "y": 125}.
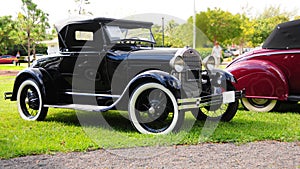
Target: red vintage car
{"x": 270, "y": 75}
{"x": 8, "y": 59}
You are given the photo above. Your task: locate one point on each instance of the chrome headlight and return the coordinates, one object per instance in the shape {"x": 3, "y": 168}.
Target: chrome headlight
{"x": 177, "y": 63}
{"x": 209, "y": 62}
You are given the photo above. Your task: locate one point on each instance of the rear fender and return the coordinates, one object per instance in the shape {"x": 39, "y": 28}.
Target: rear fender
{"x": 260, "y": 79}
{"x": 41, "y": 77}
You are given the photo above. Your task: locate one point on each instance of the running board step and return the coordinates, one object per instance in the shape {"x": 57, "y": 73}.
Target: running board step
{"x": 82, "y": 107}
{"x": 294, "y": 98}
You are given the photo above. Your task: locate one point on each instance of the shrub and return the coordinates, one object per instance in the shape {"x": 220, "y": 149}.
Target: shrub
{"x": 204, "y": 52}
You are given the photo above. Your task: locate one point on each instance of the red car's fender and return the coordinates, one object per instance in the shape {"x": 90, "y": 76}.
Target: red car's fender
{"x": 260, "y": 79}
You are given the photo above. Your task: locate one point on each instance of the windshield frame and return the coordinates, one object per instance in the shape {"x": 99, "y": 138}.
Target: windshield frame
{"x": 120, "y": 29}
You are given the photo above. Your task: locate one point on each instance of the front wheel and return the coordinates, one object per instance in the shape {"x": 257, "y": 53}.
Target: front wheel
{"x": 260, "y": 105}
{"x": 223, "y": 112}
{"x": 30, "y": 101}
{"x": 153, "y": 110}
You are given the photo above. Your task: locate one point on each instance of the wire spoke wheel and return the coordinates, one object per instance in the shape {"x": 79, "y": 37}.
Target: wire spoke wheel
{"x": 153, "y": 110}
{"x": 30, "y": 103}
{"x": 214, "y": 110}
{"x": 217, "y": 111}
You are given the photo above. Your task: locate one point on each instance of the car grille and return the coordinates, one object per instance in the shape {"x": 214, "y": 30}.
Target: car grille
{"x": 193, "y": 65}
{"x": 192, "y": 62}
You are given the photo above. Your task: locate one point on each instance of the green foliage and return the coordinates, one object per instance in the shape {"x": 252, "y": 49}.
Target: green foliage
{"x": 204, "y": 52}
{"x": 213, "y": 24}
{"x": 239, "y": 29}
{"x": 62, "y": 131}
{"x": 266, "y": 22}
{"x": 32, "y": 23}
{"x": 219, "y": 25}
{"x": 170, "y": 39}
{"x": 179, "y": 35}
{"x": 7, "y": 26}
{"x": 248, "y": 30}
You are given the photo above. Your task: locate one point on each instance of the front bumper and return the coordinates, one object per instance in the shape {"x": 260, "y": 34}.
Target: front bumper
{"x": 224, "y": 98}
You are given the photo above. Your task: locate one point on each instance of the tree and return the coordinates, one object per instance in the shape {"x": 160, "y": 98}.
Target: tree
{"x": 170, "y": 39}
{"x": 247, "y": 33}
{"x": 32, "y": 24}
{"x": 219, "y": 25}
{"x": 266, "y": 22}
{"x": 7, "y": 26}
{"x": 81, "y": 7}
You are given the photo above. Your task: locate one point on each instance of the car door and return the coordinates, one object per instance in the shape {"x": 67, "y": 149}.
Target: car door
{"x": 291, "y": 62}
{"x": 288, "y": 62}
{"x": 84, "y": 70}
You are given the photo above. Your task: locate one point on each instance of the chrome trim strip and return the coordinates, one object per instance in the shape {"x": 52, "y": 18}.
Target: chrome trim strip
{"x": 92, "y": 94}
{"x": 80, "y": 107}
{"x": 272, "y": 53}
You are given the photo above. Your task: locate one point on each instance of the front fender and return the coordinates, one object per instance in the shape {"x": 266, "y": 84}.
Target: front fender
{"x": 41, "y": 77}
{"x": 156, "y": 76}
{"x": 225, "y": 75}
{"x": 164, "y": 78}
{"x": 260, "y": 79}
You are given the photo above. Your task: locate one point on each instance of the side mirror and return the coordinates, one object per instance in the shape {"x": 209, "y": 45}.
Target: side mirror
{"x": 209, "y": 63}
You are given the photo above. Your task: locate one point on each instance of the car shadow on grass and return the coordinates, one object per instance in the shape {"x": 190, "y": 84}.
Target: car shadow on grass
{"x": 289, "y": 107}
{"x": 116, "y": 120}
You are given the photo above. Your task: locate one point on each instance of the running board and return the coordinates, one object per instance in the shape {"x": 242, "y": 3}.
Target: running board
{"x": 82, "y": 107}
{"x": 294, "y": 98}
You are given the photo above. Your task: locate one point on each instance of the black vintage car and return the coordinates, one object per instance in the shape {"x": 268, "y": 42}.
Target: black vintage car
{"x": 109, "y": 64}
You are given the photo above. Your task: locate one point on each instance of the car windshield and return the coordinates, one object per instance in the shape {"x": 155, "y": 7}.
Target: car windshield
{"x": 119, "y": 33}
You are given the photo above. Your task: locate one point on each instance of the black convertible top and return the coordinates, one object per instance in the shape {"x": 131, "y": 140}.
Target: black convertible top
{"x": 285, "y": 36}
{"x": 67, "y": 29}
{"x": 60, "y": 25}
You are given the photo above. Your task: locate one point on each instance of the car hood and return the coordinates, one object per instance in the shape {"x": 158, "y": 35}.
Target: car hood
{"x": 153, "y": 54}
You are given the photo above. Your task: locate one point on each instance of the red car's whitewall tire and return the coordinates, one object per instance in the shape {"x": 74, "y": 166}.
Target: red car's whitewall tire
{"x": 260, "y": 105}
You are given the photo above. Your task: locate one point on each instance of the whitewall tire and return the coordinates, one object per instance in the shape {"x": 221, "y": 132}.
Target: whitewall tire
{"x": 153, "y": 110}
{"x": 260, "y": 105}
{"x": 30, "y": 101}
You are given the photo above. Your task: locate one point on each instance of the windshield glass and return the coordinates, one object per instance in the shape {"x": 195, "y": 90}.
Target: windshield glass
{"x": 119, "y": 33}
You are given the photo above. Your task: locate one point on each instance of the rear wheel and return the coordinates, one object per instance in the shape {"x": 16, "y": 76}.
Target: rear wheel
{"x": 260, "y": 105}
{"x": 30, "y": 101}
{"x": 153, "y": 110}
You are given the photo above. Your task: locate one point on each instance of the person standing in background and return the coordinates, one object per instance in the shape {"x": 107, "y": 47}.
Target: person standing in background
{"x": 217, "y": 54}
{"x": 18, "y": 57}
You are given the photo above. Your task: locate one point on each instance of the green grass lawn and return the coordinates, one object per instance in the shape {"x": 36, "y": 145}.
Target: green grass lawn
{"x": 63, "y": 132}
{"x": 13, "y": 67}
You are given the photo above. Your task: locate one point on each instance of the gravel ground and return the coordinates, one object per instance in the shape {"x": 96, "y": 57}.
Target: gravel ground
{"x": 266, "y": 154}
